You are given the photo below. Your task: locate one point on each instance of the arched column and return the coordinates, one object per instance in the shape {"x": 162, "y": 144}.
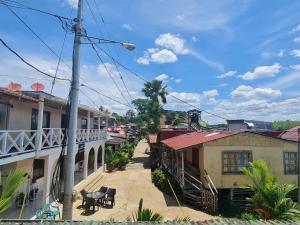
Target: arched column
{"x": 96, "y": 159}
{"x": 85, "y": 164}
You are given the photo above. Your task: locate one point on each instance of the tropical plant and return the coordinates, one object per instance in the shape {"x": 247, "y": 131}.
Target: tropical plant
{"x": 14, "y": 182}
{"x": 154, "y": 90}
{"x": 270, "y": 199}
{"x": 110, "y": 157}
{"x": 121, "y": 159}
{"x": 144, "y": 214}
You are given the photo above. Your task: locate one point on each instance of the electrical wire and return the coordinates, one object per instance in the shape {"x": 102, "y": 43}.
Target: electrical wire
{"x": 117, "y": 68}
{"x": 108, "y": 72}
{"x": 29, "y": 64}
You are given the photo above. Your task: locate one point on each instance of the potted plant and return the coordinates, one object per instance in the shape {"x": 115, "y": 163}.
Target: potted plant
{"x": 110, "y": 159}
{"x": 122, "y": 160}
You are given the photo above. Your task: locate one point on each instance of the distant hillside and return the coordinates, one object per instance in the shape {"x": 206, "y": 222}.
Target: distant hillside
{"x": 284, "y": 125}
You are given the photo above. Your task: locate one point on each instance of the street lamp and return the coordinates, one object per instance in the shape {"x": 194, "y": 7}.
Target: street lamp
{"x": 96, "y": 40}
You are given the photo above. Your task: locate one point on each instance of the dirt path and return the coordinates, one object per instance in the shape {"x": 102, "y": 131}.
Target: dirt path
{"x": 135, "y": 183}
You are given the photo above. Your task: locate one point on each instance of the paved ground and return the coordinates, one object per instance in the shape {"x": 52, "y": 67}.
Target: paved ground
{"x": 132, "y": 184}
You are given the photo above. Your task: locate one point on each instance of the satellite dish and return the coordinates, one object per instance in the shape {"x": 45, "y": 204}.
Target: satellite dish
{"x": 37, "y": 87}
{"x": 14, "y": 86}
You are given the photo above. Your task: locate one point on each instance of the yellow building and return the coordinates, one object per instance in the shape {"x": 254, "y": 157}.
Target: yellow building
{"x": 212, "y": 161}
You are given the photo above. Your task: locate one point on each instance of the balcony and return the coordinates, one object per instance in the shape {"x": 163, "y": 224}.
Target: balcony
{"x": 13, "y": 142}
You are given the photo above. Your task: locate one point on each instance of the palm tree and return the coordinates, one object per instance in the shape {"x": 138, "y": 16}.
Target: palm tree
{"x": 14, "y": 182}
{"x": 143, "y": 214}
{"x": 270, "y": 199}
{"x": 154, "y": 90}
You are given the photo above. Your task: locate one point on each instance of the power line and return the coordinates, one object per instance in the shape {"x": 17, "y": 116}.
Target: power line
{"x": 35, "y": 34}
{"x": 14, "y": 4}
{"x": 143, "y": 79}
{"x": 99, "y": 29}
{"x": 108, "y": 72}
{"x": 106, "y": 96}
{"x": 29, "y": 64}
{"x": 61, "y": 51}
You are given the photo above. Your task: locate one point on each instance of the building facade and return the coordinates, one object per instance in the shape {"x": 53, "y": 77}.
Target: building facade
{"x": 32, "y": 133}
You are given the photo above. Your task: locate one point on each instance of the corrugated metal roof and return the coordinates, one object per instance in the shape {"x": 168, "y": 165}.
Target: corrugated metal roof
{"x": 291, "y": 134}
{"x": 17, "y": 94}
{"x": 195, "y": 138}
{"x": 209, "y": 222}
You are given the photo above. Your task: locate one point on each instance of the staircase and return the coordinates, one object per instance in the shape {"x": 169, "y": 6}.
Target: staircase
{"x": 200, "y": 194}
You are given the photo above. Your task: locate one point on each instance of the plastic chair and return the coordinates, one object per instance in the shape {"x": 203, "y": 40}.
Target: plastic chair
{"x": 51, "y": 214}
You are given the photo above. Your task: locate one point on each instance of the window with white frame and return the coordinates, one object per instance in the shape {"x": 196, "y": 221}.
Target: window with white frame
{"x": 233, "y": 161}
{"x": 290, "y": 162}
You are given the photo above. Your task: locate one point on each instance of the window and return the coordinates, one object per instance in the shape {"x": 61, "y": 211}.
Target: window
{"x": 34, "y": 119}
{"x": 4, "y": 109}
{"x": 96, "y": 119}
{"x": 38, "y": 168}
{"x": 290, "y": 162}
{"x": 83, "y": 123}
{"x": 234, "y": 161}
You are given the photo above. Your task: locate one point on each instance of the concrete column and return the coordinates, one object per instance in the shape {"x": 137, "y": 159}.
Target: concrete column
{"x": 99, "y": 122}
{"x": 103, "y": 155}
{"x": 40, "y": 123}
{"x": 49, "y": 161}
{"x": 96, "y": 160}
{"x": 182, "y": 167}
{"x": 88, "y": 125}
{"x": 85, "y": 164}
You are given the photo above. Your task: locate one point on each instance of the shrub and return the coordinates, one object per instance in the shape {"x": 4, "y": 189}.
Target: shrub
{"x": 160, "y": 179}
{"x": 121, "y": 159}
{"x": 248, "y": 216}
{"x": 143, "y": 214}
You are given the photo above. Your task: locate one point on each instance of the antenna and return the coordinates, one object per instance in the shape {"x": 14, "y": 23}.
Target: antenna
{"x": 37, "y": 87}
{"x": 14, "y": 86}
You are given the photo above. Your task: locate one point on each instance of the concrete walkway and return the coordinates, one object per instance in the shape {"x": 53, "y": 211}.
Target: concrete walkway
{"x": 132, "y": 184}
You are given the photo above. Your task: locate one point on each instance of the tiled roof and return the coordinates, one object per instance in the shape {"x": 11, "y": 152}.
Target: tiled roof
{"x": 17, "y": 94}
{"x": 153, "y": 138}
{"x": 195, "y": 138}
{"x": 291, "y": 134}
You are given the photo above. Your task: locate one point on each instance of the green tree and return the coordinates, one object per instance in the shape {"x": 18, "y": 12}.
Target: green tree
{"x": 270, "y": 199}
{"x": 284, "y": 125}
{"x": 14, "y": 182}
{"x": 155, "y": 90}
{"x": 150, "y": 109}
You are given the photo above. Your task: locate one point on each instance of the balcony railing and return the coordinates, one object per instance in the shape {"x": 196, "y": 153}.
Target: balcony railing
{"x": 20, "y": 141}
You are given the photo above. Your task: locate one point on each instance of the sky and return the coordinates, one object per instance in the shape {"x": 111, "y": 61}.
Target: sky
{"x": 238, "y": 59}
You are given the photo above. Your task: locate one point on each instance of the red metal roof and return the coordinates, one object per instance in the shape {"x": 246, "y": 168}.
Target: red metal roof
{"x": 195, "y": 138}
{"x": 165, "y": 134}
{"x": 153, "y": 138}
{"x": 291, "y": 134}
{"x": 17, "y": 94}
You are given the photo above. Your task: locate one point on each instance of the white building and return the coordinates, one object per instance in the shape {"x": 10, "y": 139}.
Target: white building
{"x": 31, "y": 137}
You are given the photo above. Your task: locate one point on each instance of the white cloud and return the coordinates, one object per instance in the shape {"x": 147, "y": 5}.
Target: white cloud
{"x": 262, "y": 71}
{"x": 157, "y": 56}
{"x": 177, "y": 81}
{"x": 227, "y": 74}
{"x": 295, "y": 53}
{"x": 295, "y": 29}
{"x": 194, "y": 39}
{"x": 248, "y": 92}
{"x": 211, "y": 93}
{"x": 127, "y": 27}
{"x": 172, "y": 42}
{"x": 72, "y": 3}
{"x": 268, "y": 55}
{"x": 297, "y": 40}
{"x": 289, "y": 80}
{"x": 162, "y": 77}
{"x": 214, "y": 64}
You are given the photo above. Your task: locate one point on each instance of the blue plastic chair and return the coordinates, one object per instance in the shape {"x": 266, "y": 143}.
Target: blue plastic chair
{"x": 51, "y": 214}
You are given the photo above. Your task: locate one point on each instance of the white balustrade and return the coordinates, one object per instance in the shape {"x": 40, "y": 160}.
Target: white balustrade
{"x": 14, "y": 142}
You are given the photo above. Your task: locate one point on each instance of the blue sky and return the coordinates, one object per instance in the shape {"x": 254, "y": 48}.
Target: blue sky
{"x": 239, "y": 59}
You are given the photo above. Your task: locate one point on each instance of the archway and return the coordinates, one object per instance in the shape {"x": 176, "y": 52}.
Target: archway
{"x": 79, "y": 164}
{"x": 99, "y": 160}
{"x": 91, "y": 161}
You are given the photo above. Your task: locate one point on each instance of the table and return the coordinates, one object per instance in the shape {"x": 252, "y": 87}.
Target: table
{"x": 95, "y": 195}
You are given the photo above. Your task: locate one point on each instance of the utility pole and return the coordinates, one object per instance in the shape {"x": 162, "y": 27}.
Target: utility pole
{"x": 70, "y": 159}
{"x": 298, "y": 161}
